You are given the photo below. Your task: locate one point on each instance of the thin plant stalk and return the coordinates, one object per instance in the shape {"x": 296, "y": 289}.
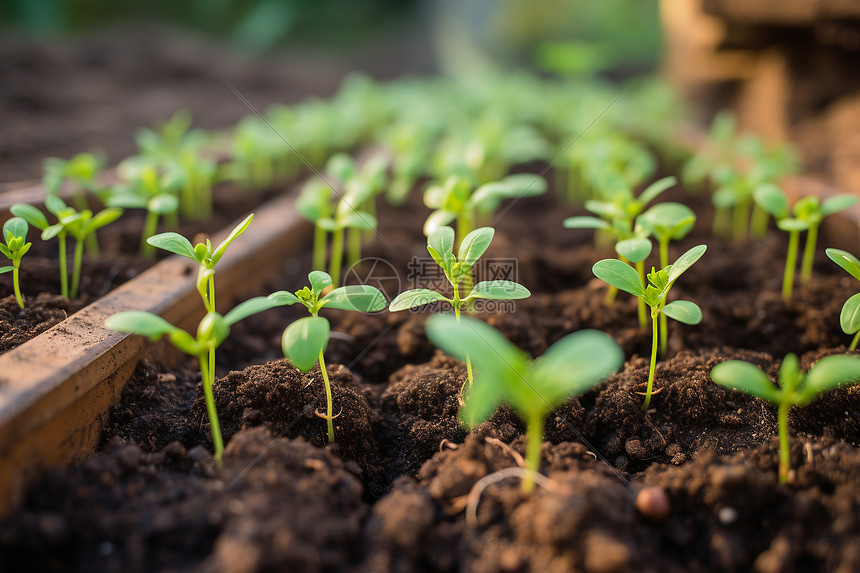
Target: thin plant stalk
{"x": 353, "y": 247}
{"x": 207, "y": 370}
{"x": 784, "y": 452}
{"x": 329, "y": 416}
{"x": 790, "y": 265}
{"x": 64, "y": 271}
{"x": 16, "y": 285}
{"x": 76, "y": 268}
{"x": 722, "y": 225}
{"x": 740, "y": 220}
{"x": 469, "y": 375}
{"x": 336, "y": 257}
{"x": 643, "y": 313}
{"x": 652, "y": 367}
{"x": 854, "y": 341}
{"x": 808, "y": 254}
{"x": 534, "y": 431}
{"x": 758, "y": 222}
{"x": 320, "y": 236}
{"x": 150, "y": 226}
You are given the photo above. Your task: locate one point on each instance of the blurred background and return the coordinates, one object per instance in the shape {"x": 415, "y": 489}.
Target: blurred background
{"x": 85, "y": 74}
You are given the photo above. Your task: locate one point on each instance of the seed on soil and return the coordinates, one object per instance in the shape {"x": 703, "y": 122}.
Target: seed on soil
{"x": 653, "y": 503}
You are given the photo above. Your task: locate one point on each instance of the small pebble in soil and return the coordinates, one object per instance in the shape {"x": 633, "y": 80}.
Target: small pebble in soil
{"x": 727, "y": 515}
{"x": 653, "y": 503}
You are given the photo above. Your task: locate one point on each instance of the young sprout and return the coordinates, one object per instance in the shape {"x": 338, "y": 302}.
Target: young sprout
{"x": 81, "y": 170}
{"x": 667, "y": 222}
{"x": 148, "y": 189}
{"x": 458, "y": 199}
{"x": 203, "y": 254}
{"x": 314, "y": 203}
{"x": 211, "y": 332}
{"x": 655, "y": 295}
{"x": 440, "y": 245}
{"x": 635, "y": 250}
{"x": 533, "y": 388}
{"x": 795, "y": 388}
{"x": 78, "y": 225}
{"x": 15, "y": 234}
{"x": 808, "y": 214}
{"x": 305, "y": 340}
{"x": 849, "y": 318}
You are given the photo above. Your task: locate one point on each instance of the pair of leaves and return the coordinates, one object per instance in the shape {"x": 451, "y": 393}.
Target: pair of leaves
{"x": 202, "y": 252}
{"x": 796, "y": 388}
{"x": 849, "y": 318}
{"x": 505, "y": 373}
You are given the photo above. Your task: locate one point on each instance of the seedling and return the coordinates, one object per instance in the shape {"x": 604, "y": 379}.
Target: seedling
{"x": 808, "y": 215}
{"x": 211, "y": 332}
{"x": 458, "y": 200}
{"x": 849, "y": 318}
{"x": 717, "y": 153}
{"x": 533, "y": 388}
{"x": 655, "y": 295}
{"x": 305, "y": 340}
{"x": 203, "y": 254}
{"x": 795, "y": 388}
{"x": 314, "y": 203}
{"x": 149, "y": 189}
{"x": 81, "y": 170}
{"x": 78, "y": 225}
{"x": 440, "y": 245}
{"x": 15, "y": 234}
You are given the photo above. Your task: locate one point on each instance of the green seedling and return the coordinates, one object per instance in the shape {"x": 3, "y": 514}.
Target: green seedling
{"x": 149, "y": 189}
{"x": 203, "y": 253}
{"x": 849, "y": 318}
{"x": 795, "y": 388}
{"x": 70, "y": 222}
{"x": 458, "y": 200}
{"x": 655, "y": 295}
{"x": 314, "y": 203}
{"x": 732, "y": 200}
{"x": 440, "y": 245}
{"x": 807, "y": 216}
{"x": 211, "y": 332}
{"x": 305, "y": 340}
{"x": 716, "y": 154}
{"x": 666, "y": 222}
{"x": 82, "y": 170}
{"x": 533, "y": 388}
{"x": 15, "y": 234}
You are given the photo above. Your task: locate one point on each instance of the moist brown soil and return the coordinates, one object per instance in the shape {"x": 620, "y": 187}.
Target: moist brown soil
{"x": 390, "y": 494}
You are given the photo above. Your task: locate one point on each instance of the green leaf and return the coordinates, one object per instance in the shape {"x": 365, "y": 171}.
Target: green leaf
{"x": 52, "y": 231}
{"x": 849, "y": 318}
{"x": 17, "y": 226}
{"x": 791, "y": 225}
{"x": 574, "y": 364}
{"x": 683, "y": 311}
{"x": 830, "y": 372}
{"x": 496, "y": 361}
{"x": 585, "y": 223}
{"x": 163, "y": 204}
{"x": 362, "y": 298}
{"x": 414, "y": 298}
{"x": 237, "y": 230}
{"x": 6, "y": 269}
{"x": 655, "y": 189}
{"x": 104, "y": 218}
{"x": 140, "y": 322}
{"x": 173, "y": 243}
{"x": 283, "y": 298}
{"x": 30, "y": 214}
{"x": 606, "y": 210}
{"x": 358, "y": 220}
{"x": 634, "y": 250}
{"x": 771, "y": 198}
{"x": 686, "y": 261}
{"x": 319, "y": 281}
{"x": 252, "y": 306}
{"x": 442, "y": 240}
{"x": 746, "y": 377}
{"x": 499, "y": 290}
{"x": 838, "y": 203}
{"x": 304, "y": 340}
{"x": 438, "y": 219}
{"x": 620, "y": 275}
{"x": 473, "y": 246}
{"x": 54, "y": 204}
{"x": 669, "y": 220}
{"x": 845, "y": 260}
{"x": 724, "y": 197}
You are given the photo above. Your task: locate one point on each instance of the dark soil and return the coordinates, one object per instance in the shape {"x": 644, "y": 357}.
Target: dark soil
{"x": 390, "y": 494}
